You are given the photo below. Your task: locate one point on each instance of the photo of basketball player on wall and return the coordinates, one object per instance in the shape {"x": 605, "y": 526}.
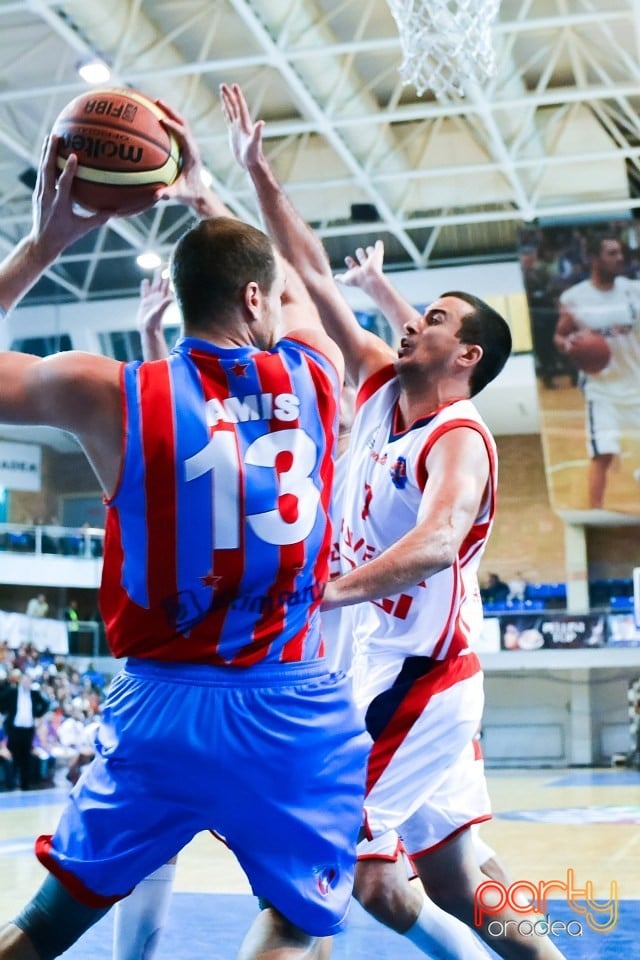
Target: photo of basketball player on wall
{"x": 583, "y": 290}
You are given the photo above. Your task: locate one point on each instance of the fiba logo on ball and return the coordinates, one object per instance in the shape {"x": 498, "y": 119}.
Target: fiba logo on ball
{"x": 125, "y": 152}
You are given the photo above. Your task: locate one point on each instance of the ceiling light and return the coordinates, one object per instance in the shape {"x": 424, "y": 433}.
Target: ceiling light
{"x": 94, "y": 71}
{"x": 148, "y": 260}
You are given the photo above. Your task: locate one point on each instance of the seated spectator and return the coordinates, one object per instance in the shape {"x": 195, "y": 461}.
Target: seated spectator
{"x": 85, "y": 753}
{"x": 50, "y": 535}
{"x": 38, "y": 606}
{"x": 96, "y": 678}
{"x": 7, "y": 775}
{"x": 517, "y": 588}
{"x": 44, "y": 758}
{"x": 496, "y": 590}
{"x": 71, "y": 732}
{"x": 6, "y": 656}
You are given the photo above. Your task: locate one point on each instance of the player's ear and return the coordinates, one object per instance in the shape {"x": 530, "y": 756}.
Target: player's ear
{"x": 471, "y": 355}
{"x": 252, "y": 299}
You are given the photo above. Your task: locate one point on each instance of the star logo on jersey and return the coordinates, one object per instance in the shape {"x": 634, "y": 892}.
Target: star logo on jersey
{"x": 399, "y": 473}
{"x": 210, "y": 580}
{"x": 239, "y": 369}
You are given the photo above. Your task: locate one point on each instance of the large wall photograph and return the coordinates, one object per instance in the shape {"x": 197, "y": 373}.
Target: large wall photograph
{"x": 583, "y": 290}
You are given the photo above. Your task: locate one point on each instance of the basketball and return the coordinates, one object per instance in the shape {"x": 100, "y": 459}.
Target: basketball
{"x": 124, "y": 153}
{"x": 589, "y": 351}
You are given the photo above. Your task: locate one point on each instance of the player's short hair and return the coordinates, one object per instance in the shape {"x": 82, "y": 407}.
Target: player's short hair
{"x": 486, "y": 328}
{"x": 596, "y": 238}
{"x": 212, "y": 264}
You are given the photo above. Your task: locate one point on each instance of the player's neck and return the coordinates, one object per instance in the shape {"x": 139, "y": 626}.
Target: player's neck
{"x": 417, "y": 401}
{"x": 601, "y": 282}
{"x": 233, "y": 336}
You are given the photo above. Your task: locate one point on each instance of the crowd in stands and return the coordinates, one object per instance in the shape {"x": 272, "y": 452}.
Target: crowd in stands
{"x": 66, "y": 706}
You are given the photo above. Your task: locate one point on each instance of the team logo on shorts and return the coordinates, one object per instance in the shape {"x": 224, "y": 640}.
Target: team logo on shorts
{"x": 325, "y": 878}
{"x": 399, "y": 473}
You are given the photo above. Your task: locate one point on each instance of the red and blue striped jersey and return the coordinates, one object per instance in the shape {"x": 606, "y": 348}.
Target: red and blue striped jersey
{"x": 218, "y": 535}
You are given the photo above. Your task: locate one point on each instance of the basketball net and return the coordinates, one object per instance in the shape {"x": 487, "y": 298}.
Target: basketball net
{"x": 446, "y": 43}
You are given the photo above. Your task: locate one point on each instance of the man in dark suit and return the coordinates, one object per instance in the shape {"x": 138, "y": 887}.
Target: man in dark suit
{"x": 21, "y": 706}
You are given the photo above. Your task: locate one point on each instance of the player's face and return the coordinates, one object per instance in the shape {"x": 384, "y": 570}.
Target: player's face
{"x": 431, "y": 341}
{"x": 611, "y": 258}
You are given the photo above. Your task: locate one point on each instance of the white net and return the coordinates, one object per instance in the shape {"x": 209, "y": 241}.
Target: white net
{"x": 446, "y": 44}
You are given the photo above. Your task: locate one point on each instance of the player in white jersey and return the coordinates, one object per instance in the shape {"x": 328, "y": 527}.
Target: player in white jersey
{"x": 609, "y": 304}
{"x": 365, "y": 271}
{"x": 430, "y": 698}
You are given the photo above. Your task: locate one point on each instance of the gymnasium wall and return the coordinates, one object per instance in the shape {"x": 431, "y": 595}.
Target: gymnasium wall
{"x": 528, "y": 537}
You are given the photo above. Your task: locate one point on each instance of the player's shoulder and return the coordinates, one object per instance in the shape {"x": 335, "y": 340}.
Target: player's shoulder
{"x": 576, "y": 292}
{"x": 317, "y": 344}
{"x": 627, "y": 285}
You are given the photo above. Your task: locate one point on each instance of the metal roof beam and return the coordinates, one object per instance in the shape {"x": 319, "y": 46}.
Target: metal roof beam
{"x": 325, "y": 127}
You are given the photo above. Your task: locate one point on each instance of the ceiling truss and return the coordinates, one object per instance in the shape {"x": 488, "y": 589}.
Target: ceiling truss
{"x": 554, "y": 135}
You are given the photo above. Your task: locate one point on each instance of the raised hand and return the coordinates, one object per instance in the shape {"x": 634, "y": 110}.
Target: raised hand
{"x": 155, "y": 297}
{"x": 245, "y": 135}
{"x": 188, "y": 184}
{"x": 56, "y": 222}
{"x": 367, "y": 265}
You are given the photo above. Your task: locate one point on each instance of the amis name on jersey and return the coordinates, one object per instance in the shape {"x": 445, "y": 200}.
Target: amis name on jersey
{"x": 255, "y": 406}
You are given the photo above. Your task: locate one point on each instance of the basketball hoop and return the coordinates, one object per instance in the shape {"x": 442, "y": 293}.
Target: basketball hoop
{"x": 446, "y": 43}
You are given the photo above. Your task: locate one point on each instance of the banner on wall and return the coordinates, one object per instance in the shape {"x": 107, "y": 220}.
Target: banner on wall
{"x": 43, "y": 633}
{"x": 20, "y": 466}
{"x": 552, "y": 631}
{"x": 623, "y": 630}
{"x": 583, "y": 291}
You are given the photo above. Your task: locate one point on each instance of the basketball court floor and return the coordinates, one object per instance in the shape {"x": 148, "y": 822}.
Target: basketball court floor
{"x": 562, "y": 412}
{"x": 581, "y": 826}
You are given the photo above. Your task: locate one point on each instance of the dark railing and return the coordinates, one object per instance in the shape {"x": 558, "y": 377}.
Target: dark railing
{"x": 51, "y": 539}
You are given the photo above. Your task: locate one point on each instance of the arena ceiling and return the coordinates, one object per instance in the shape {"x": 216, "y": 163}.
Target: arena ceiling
{"x": 553, "y": 136}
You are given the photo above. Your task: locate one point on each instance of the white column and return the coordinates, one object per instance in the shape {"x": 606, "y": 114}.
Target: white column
{"x": 581, "y": 746}
{"x": 575, "y": 551}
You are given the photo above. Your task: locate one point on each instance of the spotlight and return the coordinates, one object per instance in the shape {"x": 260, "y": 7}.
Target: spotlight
{"x": 148, "y": 260}
{"x": 94, "y": 71}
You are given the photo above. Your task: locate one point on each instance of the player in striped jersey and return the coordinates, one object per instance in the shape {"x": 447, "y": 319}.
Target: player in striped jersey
{"x": 421, "y": 491}
{"x": 216, "y": 465}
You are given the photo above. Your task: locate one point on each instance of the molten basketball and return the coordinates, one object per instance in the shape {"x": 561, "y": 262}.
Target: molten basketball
{"x": 589, "y": 351}
{"x": 124, "y": 153}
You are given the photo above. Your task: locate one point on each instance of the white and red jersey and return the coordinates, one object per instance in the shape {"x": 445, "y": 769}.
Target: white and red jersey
{"x": 385, "y": 496}
{"x": 337, "y": 643}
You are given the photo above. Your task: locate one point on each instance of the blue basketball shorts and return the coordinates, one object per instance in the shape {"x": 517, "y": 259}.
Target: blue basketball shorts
{"x": 273, "y": 758}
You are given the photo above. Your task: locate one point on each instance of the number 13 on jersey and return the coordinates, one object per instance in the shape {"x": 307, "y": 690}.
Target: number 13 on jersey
{"x": 291, "y": 455}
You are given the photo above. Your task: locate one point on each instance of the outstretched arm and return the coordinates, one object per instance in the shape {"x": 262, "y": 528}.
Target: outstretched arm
{"x": 298, "y": 309}
{"x": 55, "y": 227}
{"x": 365, "y": 271}
{"x": 363, "y": 352}
{"x": 458, "y": 473}
{"x": 189, "y": 187}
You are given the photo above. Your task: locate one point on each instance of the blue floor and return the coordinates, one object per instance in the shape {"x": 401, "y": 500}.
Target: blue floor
{"x": 211, "y": 926}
